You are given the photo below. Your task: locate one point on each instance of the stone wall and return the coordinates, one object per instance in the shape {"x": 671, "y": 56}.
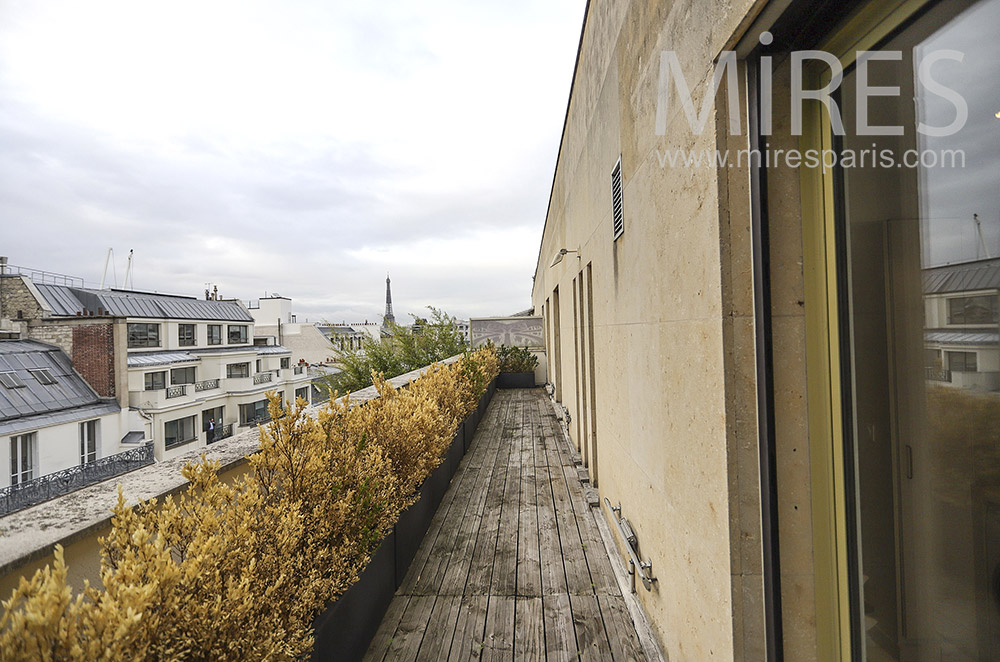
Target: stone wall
{"x": 16, "y": 300}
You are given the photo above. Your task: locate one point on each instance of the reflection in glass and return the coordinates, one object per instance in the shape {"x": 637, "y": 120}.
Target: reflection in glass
{"x": 923, "y": 257}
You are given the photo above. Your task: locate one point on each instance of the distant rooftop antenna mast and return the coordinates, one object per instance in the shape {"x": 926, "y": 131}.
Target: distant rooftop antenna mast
{"x": 104, "y": 276}
{"x": 982, "y": 240}
{"x": 128, "y": 270}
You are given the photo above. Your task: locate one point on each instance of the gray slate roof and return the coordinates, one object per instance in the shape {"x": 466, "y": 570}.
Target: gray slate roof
{"x": 37, "y": 405}
{"x": 66, "y": 301}
{"x": 964, "y": 277}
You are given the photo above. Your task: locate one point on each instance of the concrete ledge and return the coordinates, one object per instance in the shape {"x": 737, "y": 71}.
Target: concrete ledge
{"x": 30, "y": 534}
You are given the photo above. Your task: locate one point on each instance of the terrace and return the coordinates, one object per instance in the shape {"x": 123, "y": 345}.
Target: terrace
{"x": 515, "y": 564}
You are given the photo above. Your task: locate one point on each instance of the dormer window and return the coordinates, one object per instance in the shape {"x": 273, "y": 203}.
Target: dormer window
{"x": 11, "y": 380}
{"x": 43, "y": 376}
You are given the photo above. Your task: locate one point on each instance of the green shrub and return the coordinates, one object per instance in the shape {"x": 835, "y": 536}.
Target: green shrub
{"x": 516, "y": 359}
{"x": 405, "y": 349}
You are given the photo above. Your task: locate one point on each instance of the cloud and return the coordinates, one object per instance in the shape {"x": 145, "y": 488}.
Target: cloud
{"x": 303, "y": 147}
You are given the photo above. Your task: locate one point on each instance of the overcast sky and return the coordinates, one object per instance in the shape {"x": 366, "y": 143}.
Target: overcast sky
{"x": 300, "y": 148}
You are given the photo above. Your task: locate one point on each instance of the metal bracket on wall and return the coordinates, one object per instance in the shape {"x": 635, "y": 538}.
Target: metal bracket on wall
{"x": 635, "y": 566}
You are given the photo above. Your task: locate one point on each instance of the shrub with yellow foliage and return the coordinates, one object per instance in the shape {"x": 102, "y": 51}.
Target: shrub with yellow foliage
{"x": 239, "y": 571}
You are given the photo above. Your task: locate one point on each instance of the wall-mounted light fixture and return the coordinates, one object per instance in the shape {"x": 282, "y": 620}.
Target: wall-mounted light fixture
{"x": 562, "y": 252}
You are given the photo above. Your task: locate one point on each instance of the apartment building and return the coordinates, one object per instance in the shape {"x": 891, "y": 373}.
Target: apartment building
{"x": 767, "y": 312}
{"x": 50, "y": 418}
{"x": 188, "y": 370}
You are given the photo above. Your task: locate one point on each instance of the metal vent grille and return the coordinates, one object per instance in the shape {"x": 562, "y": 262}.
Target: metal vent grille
{"x": 617, "y": 215}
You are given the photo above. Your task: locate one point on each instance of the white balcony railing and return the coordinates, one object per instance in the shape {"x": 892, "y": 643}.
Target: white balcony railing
{"x": 177, "y": 391}
{"x": 261, "y": 377}
{"x": 206, "y": 385}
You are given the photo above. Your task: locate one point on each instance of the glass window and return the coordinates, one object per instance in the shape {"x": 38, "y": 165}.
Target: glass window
{"x": 253, "y": 413}
{"x": 185, "y": 335}
{"x": 919, "y": 244}
{"x": 179, "y": 431}
{"x": 238, "y": 370}
{"x": 286, "y": 362}
{"x": 154, "y": 381}
{"x": 302, "y": 393}
{"x": 22, "y": 458}
{"x": 143, "y": 335}
{"x": 973, "y": 310}
{"x": 88, "y": 442}
{"x": 237, "y": 334}
{"x": 257, "y": 366}
{"x": 214, "y": 334}
{"x": 182, "y": 375}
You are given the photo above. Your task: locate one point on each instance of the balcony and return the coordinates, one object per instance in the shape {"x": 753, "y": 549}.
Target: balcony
{"x": 206, "y": 385}
{"x": 177, "y": 391}
{"x": 262, "y": 378}
{"x": 514, "y": 565}
{"x": 298, "y": 370}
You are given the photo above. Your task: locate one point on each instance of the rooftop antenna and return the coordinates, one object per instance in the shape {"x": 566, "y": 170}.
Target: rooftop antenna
{"x": 982, "y": 241}
{"x": 104, "y": 276}
{"x": 128, "y": 270}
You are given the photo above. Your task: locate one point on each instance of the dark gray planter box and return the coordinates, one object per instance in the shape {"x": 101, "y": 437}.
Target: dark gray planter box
{"x": 516, "y": 380}
{"x": 346, "y": 628}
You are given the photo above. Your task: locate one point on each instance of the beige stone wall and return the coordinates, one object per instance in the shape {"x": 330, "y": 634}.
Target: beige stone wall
{"x": 675, "y": 407}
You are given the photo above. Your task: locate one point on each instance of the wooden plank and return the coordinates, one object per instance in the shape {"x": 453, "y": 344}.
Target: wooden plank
{"x": 529, "y": 628}
{"x": 459, "y": 560}
{"x": 481, "y": 568}
{"x": 410, "y": 632}
{"x": 618, "y": 623}
{"x": 529, "y": 573}
{"x": 498, "y": 638}
{"x": 591, "y": 638}
{"x": 467, "y": 643}
{"x": 451, "y": 543}
{"x": 602, "y": 575}
{"x": 504, "y": 579}
{"x": 440, "y": 628}
{"x": 578, "y": 579}
{"x": 386, "y": 630}
{"x": 560, "y": 638}
{"x": 452, "y": 508}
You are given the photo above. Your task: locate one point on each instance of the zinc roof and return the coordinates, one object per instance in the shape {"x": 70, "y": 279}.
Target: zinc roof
{"x": 964, "y": 277}
{"x": 34, "y": 398}
{"x": 66, "y": 301}
{"x": 962, "y": 337}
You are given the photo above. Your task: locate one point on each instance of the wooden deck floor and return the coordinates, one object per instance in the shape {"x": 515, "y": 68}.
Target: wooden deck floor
{"x": 513, "y": 566}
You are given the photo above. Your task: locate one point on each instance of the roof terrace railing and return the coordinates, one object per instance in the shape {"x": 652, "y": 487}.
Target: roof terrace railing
{"x": 50, "y": 486}
{"x": 40, "y": 276}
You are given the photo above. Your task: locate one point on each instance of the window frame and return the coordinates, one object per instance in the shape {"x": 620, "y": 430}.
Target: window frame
{"x": 242, "y": 334}
{"x": 214, "y": 334}
{"x": 21, "y": 446}
{"x": 178, "y": 424}
{"x": 230, "y": 370}
{"x": 150, "y": 377}
{"x": 193, "y": 372}
{"x": 89, "y": 441}
{"x": 187, "y": 335}
{"x": 143, "y": 337}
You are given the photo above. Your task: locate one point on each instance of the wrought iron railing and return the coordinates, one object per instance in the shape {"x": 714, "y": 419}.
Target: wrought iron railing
{"x": 35, "y": 491}
{"x": 177, "y": 391}
{"x": 261, "y": 377}
{"x": 937, "y": 374}
{"x": 221, "y": 432}
{"x": 206, "y": 385}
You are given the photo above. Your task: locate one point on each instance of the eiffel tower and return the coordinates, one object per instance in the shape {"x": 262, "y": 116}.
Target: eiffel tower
{"x": 388, "y": 319}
